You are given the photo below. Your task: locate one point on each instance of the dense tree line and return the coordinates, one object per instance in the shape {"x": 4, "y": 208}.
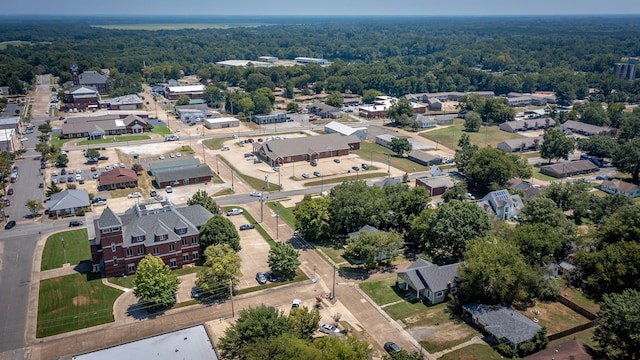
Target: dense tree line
{"x": 393, "y": 56}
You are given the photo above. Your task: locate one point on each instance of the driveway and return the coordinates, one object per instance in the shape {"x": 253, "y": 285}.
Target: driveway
{"x": 254, "y": 253}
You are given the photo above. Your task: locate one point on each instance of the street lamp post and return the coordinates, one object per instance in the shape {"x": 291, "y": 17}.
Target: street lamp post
{"x": 204, "y": 154}
{"x": 217, "y": 166}
{"x": 261, "y": 208}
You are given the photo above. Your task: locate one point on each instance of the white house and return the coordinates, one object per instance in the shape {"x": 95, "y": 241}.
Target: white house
{"x": 428, "y": 281}
{"x": 620, "y": 187}
{"x": 501, "y": 204}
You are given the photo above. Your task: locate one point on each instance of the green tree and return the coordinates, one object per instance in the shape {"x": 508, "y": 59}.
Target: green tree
{"x": 465, "y": 152}
{"x": 369, "y": 95}
{"x": 293, "y": 107}
{"x": 404, "y": 355}
{"x": 542, "y": 210}
{"x": 313, "y": 219}
{"x": 472, "y": 122}
{"x": 627, "y": 158}
{"x": 456, "y": 192}
{"x": 283, "y": 260}
{"x": 401, "y": 111}
{"x": 45, "y": 128}
{"x": 347, "y": 348}
{"x": 155, "y": 284}
{"x": 497, "y": 110}
{"x": 353, "y": 204}
{"x": 565, "y": 93}
{"x": 254, "y": 326}
{"x": 495, "y": 272}
{"x": 52, "y": 189}
{"x": 472, "y": 102}
{"x": 203, "y": 199}
{"x": 623, "y": 225}
{"x": 305, "y": 321}
{"x": 444, "y": 233}
{"x": 409, "y": 204}
{"x": 283, "y": 347}
{"x": 598, "y": 145}
{"x": 400, "y": 146}
{"x": 213, "y": 95}
{"x": 372, "y": 248}
{"x": 491, "y": 169}
{"x": 630, "y": 125}
{"x": 618, "y": 329}
{"x": 537, "y": 242}
{"x": 335, "y": 99}
{"x": 182, "y": 100}
{"x": 137, "y": 168}
{"x": 221, "y": 269}
{"x": 62, "y": 160}
{"x": 92, "y": 153}
{"x": 44, "y": 149}
{"x": 604, "y": 206}
{"x": 556, "y": 145}
{"x": 219, "y": 230}
{"x": 34, "y": 207}
{"x": 615, "y": 113}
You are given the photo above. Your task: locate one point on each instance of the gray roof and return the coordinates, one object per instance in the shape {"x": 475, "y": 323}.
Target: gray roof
{"x": 68, "y": 199}
{"x": 163, "y": 165}
{"x": 586, "y": 129}
{"x": 184, "y": 173}
{"x": 366, "y": 228}
{"x": 305, "y": 145}
{"x": 424, "y": 120}
{"x": 108, "y": 219}
{"x": 517, "y": 144}
{"x": 123, "y": 100}
{"x": 322, "y": 107}
{"x": 438, "y": 181}
{"x": 197, "y": 107}
{"x": 9, "y": 120}
{"x": 527, "y": 124}
{"x": 422, "y": 156}
{"x": 196, "y": 214}
{"x": 503, "y": 322}
{"x": 569, "y": 168}
{"x": 389, "y": 181}
{"x": 83, "y": 90}
{"x": 422, "y": 274}
{"x": 92, "y": 77}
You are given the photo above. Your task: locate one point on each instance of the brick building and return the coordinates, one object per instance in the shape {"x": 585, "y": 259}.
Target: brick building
{"x": 119, "y": 242}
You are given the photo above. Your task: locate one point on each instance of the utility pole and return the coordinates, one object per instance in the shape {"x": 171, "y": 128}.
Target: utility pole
{"x": 233, "y": 313}
{"x": 277, "y": 225}
{"x": 204, "y": 154}
{"x": 333, "y": 291}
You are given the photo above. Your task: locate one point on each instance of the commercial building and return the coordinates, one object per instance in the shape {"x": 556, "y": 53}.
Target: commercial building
{"x": 180, "y": 172}
{"x": 119, "y": 242}
{"x": 524, "y": 144}
{"x": 126, "y": 102}
{"x": 436, "y": 185}
{"x": 117, "y": 178}
{"x": 221, "y": 123}
{"x": 308, "y": 60}
{"x": 335, "y": 127}
{"x": 91, "y": 79}
{"x": 192, "y": 111}
{"x": 243, "y": 63}
{"x": 80, "y": 98}
{"x": 68, "y": 202}
{"x": 569, "y": 168}
{"x": 99, "y": 127}
{"x": 424, "y": 158}
{"x": 282, "y": 151}
{"x": 8, "y": 140}
{"x": 191, "y": 91}
{"x": 270, "y": 118}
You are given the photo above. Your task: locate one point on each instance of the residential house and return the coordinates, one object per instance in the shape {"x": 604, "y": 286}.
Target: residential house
{"x": 119, "y": 242}
{"x": 117, "y": 178}
{"x": 428, "y": 282}
{"x": 530, "y": 190}
{"x": 434, "y": 104}
{"x": 68, "y": 202}
{"x": 99, "y": 127}
{"x": 325, "y": 111}
{"x": 501, "y": 205}
{"x": 581, "y": 128}
{"x": 527, "y": 125}
{"x": 424, "y": 158}
{"x": 282, "y": 151}
{"x": 569, "y": 168}
{"x": 383, "y": 253}
{"x": 342, "y": 129}
{"x": 620, "y": 187}
{"x": 520, "y": 145}
{"x": 180, "y": 172}
{"x": 444, "y": 119}
{"x": 424, "y": 122}
{"x": 502, "y": 323}
{"x": 125, "y": 102}
{"x": 436, "y": 185}
{"x": 385, "y": 140}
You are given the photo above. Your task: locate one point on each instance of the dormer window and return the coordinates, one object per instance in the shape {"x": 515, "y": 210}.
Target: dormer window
{"x": 162, "y": 237}
{"x": 181, "y": 230}
{"x": 137, "y": 238}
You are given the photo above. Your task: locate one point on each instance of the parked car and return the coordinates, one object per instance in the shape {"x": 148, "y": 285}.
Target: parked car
{"x": 296, "y": 303}
{"x": 336, "y": 160}
{"x": 469, "y": 196}
{"x": 10, "y": 191}
{"x": 604, "y": 177}
{"x": 122, "y": 166}
{"x": 134, "y": 195}
{"x": 153, "y": 193}
{"x": 247, "y": 227}
{"x": 54, "y": 173}
{"x": 73, "y": 223}
{"x": 168, "y": 189}
{"x": 108, "y": 167}
{"x": 95, "y": 175}
{"x": 271, "y": 276}
{"x": 172, "y": 155}
{"x": 7, "y": 202}
{"x": 391, "y": 347}
{"x": 313, "y": 163}
{"x": 305, "y": 175}
{"x": 78, "y": 177}
{"x": 103, "y": 158}
{"x": 64, "y": 172}
{"x": 329, "y": 329}
{"x": 317, "y": 173}
{"x": 234, "y": 211}
{"x": 365, "y": 166}
{"x": 43, "y": 166}
{"x": 94, "y": 169}
{"x": 355, "y": 168}
{"x": 161, "y": 157}
{"x": 70, "y": 178}
{"x": 255, "y": 194}
{"x": 10, "y": 224}
{"x": 41, "y": 186}
{"x": 261, "y": 279}
{"x": 195, "y": 292}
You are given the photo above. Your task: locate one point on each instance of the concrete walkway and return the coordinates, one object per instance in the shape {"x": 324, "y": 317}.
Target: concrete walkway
{"x": 474, "y": 340}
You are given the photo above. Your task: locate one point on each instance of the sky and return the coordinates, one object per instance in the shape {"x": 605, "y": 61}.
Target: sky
{"x": 322, "y": 7}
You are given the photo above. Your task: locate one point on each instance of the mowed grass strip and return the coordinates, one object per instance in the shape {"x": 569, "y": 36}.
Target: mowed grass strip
{"x": 73, "y": 302}
{"x": 76, "y": 247}
{"x": 472, "y": 352}
{"x": 382, "y": 291}
{"x": 487, "y": 136}
{"x": 118, "y": 139}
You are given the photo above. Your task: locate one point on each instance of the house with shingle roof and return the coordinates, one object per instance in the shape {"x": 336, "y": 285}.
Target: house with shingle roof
{"x": 118, "y": 178}
{"x": 424, "y": 122}
{"x": 428, "y": 281}
{"x": 523, "y": 144}
{"x": 325, "y": 111}
{"x": 501, "y": 322}
{"x": 585, "y": 129}
{"x": 68, "y": 202}
{"x": 501, "y": 205}
{"x": 527, "y": 125}
{"x": 100, "y": 127}
{"x": 569, "y": 168}
{"x": 620, "y": 187}
{"x": 119, "y": 242}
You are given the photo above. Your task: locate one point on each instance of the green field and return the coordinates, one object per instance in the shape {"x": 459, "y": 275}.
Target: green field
{"x": 472, "y": 352}
{"x": 76, "y": 248}
{"x": 73, "y": 302}
{"x": 379, "y": 153}
{"x": 161, "y": 130}
{"x": 449, "y": 136}
{"x": 118, "y": 139}
{"x": 57, "y": 142}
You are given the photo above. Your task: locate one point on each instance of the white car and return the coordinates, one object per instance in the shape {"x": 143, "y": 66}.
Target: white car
{"x": 78, "y": 177}
{"x": 122, "y": 166}
{"x": 108, "y": 167}
{"x": 134, "y": 195}
{"x": 78, "y": 171}
{"x": 24, "y": 139}
{"x": 255, "y": 194}
{"x": 168, "y": 189}
{"x": 172, "y": 155}
{"x": 178, "y": 155}
{"x": 469, "y": 196}
{"x": 305, "y": 175}
{"x": 161, "y": 157}
{"x": 329, "y": 329}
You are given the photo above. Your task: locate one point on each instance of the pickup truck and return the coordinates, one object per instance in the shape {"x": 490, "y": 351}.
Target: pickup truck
{"x": 234, "y": 211}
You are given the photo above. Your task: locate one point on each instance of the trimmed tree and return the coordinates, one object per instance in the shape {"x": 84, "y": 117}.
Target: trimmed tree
{"x": 283, "y": 260}
{"x": 155, "y": 284}
{"x": 219, "y": 230}
{"x": 221, "y": 268}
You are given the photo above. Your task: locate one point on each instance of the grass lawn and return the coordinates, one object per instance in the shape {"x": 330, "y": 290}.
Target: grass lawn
{"x": 73, "y": 302}
{"x": 215, "y": 144}
{"x": 119, "y": 193}
{"x": 360, "y": 176}
{"x": 488, "y": 135}
{"x": 128, "y": 281}
{"x": 120, "y": 139}
{"x": 284, "y": 214}
{"x": 586, "y": 336}
{"x": 258, "y": 184}
{"x": 76, "y": 247}
{"x": 555, "y": 316}
{"x": 382, "y": 291}
{"x": 379, "y": 153}
{"x": 472, "y": 352}
{"x": 578, "y": 297}
{"x": 57, "y": 142}
{"x": 538, "y": 175}
{"x": 404, "y": 309}
{"x": 161, "y": 130}
{"x": 334, "y": 253}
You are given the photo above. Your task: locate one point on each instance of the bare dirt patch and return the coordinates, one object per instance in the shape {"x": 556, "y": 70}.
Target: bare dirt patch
{"x": 80, "y": 300}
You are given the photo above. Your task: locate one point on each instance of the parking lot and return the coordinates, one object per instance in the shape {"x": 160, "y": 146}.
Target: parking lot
{"x": 254, "y": 252}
